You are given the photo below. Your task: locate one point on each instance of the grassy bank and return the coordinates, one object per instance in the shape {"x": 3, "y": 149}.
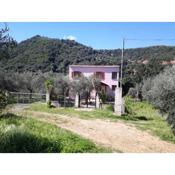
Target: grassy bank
{"x": 94, "y": 114}
{"x": 26, "y": 135}
{"x": 142, "y": 114}
{"x": 149, "y": 118}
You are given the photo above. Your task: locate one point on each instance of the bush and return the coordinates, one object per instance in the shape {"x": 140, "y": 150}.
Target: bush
{"x": 132, "y": 92}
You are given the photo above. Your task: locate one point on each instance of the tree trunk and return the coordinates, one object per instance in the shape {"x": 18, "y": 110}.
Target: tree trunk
{"x": 87, "y": 96}
{"x": 30, "y": 95}
{"x": 64, "y": 99}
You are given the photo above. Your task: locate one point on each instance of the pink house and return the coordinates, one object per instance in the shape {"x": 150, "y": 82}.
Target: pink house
{"x": 109, "y": 75}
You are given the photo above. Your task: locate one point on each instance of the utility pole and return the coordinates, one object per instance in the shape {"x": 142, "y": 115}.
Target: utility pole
{"x": 121, "y": 67}
{"x": 119, "y": 102}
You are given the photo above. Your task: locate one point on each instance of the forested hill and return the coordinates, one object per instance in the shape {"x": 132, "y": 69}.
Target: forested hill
{"x": 46, "y": 54}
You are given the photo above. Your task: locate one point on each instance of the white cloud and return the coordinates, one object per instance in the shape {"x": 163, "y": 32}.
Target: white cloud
{"x": 70, "y": 37}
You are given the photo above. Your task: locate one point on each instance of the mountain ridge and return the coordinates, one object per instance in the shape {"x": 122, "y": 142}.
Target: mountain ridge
{"x": 51, "y": 54}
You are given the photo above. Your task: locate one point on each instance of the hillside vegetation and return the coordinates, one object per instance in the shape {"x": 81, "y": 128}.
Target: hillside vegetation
{"x": 46, "y": 54}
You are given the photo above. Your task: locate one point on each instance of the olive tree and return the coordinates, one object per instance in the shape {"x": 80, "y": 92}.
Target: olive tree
{"x": 84, "y": 86}
{"x": 161, "y": 90}
{"x": 61, "y": 85}
{"x": 4, "y": 41}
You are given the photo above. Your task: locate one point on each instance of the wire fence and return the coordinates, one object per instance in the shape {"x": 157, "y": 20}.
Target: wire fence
{"x": 25, "y": 98}
{"x": 20, "y": 97}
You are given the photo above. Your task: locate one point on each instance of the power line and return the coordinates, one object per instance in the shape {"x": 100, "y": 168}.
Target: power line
{"x": 149, "y": 39}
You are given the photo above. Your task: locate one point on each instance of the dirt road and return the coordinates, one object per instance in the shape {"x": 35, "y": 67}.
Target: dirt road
{"x": 115, "y": 135}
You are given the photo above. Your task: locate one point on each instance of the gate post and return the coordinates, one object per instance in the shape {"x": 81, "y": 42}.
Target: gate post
{"x": 97, "y": 101}
{"x": 118, "y": 104}
{"x": 47, "y": 96}
{"x": 77, "y": 100}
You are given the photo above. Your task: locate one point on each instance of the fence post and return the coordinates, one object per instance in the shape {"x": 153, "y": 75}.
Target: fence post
{"x": 118, "y": 105}
{"x": 97, "y": 101}
{"x": 77, "y": 100}
{"x": 47, "y": 96}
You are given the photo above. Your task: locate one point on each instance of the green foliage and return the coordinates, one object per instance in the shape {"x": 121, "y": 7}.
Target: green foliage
{"x": 61, "y": 84}
{"x": 136, "y": 72}
{"x": 146, "y": 117}
{"x": 83, "y": 86}
{"x": 45, "y": 54}
{"x": 49, "y": 83}
{"x": 6, "y": 43}
{"x": 54, "y": 55}
{"x": 132, "y": 92}
{"x": 26, "y": 135}
{"x": 161, "y": 90}
{"x": 3, "y": 100}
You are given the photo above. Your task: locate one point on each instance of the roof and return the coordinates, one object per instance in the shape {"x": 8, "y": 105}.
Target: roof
{"x": 94, "y": 66}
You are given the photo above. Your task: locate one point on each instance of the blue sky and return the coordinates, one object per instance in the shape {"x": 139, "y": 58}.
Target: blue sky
{"x": 98, "y": 35}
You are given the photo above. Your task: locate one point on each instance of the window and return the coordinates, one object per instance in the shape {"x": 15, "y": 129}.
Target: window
{"x": 113, "y": 87}
{"x": 114, "y": 75}
{"x": 76, "y": 74}
{"x": 100, "y": 75}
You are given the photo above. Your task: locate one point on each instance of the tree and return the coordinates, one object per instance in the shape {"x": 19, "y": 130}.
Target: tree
{"x": 61, "y": 85}
{"x": 83, "y": 86}
{"x": 4, "y": 39}
{"x": 28, "y": 81}
{"x": 136, "y": 73}
{"x": 161, "y": 90}
{"x": 6, "y": 43}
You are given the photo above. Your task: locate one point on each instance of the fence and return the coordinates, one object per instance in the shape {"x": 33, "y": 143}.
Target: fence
{"x": 20, "y": 97}
{"x": 62, "y": 101}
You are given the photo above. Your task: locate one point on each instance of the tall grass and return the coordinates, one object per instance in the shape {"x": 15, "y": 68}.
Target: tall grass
{"x": 149, "y": 119}
{"x": 26, "y": 135}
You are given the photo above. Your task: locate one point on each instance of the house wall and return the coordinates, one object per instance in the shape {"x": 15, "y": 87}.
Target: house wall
{"x": 89, "y": 70}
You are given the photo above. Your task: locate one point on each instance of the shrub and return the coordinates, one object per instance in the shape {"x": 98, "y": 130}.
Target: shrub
{"x": 132, "y": 92}
{"x": 147, "y": 85}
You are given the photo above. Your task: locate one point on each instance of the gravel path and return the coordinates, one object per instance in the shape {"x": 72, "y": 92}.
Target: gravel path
{"x": 115, "y": 135}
